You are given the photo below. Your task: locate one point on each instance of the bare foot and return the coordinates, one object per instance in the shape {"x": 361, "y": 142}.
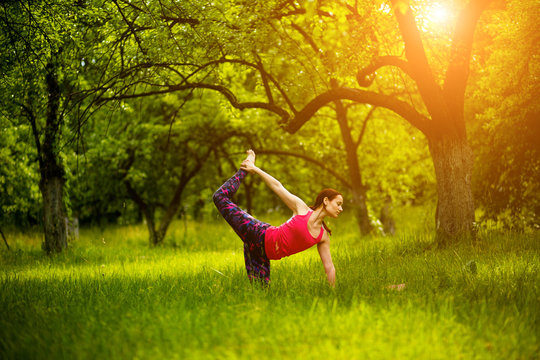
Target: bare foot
{"x": 397, "y": 287}
{"x": 251, "y": 156}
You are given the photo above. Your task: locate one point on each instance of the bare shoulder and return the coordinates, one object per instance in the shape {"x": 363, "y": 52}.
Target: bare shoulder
{"x": 301, "y": 207}
{"x": 325, "y": 238}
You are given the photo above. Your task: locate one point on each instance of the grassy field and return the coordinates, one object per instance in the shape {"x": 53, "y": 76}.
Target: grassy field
{"x": 111, "y": 296}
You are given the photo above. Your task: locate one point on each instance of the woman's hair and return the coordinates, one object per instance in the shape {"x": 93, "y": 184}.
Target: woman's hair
{"x": 326, "y": 193}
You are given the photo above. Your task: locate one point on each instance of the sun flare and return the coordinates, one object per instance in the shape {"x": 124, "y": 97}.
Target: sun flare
{"x": 438, "y": 14}
{"x": 434, "y": 17}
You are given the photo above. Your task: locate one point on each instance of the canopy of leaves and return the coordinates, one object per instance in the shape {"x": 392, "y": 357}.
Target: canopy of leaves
{"x": 507, "y": 123}
{"x": 165, "y": 79}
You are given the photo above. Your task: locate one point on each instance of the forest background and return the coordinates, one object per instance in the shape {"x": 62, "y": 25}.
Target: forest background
{"x": 116, "y": 112}
{"x": 119, "y": 119}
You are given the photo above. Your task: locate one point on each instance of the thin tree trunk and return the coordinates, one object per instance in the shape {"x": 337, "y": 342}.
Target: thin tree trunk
{"x": 147, "y": 212}
{"x": 453, "y": 160}
{"x": 386, "y": 218}
{"x": 358, "y": 188}
{"x": 170, "y": 212}
{"x": 155, "y": 236}
{"x": 4, "y": 238}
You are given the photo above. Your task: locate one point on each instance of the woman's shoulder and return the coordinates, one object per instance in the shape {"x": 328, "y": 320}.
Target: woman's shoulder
{"x": 325, "y": 237}
{"x": 303, "y": 210}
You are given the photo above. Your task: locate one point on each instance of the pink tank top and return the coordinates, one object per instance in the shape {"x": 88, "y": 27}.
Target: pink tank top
{"x": 290, "y": 238}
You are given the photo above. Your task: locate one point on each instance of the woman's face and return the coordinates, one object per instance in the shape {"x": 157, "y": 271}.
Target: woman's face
{"x": 335, "y": 206}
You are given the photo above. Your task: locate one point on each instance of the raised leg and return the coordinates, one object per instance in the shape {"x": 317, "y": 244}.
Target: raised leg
{"x": 249, "y": 229}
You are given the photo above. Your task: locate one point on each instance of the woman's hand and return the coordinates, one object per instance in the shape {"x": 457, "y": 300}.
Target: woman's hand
{"x": 249, "y": 163}
{"x": 293, "y": 202}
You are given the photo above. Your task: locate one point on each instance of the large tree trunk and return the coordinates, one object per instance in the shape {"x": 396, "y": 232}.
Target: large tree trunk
{"x": 153, "y": 236}
{"x": 156, "y": 236}
{"x": 54, "y": 216}
{"x": 51, "y": 170}
{"x": 453, "y": 160}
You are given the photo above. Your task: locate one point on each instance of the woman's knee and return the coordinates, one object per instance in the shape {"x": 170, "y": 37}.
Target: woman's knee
{"x": 218, "y": 195}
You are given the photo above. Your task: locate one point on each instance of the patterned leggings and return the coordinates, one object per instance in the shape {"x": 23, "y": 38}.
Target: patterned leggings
{"x": 250, "y": 230}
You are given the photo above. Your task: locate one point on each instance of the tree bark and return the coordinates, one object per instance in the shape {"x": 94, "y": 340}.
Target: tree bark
{"x": 154, "y": 236}
{"x": 54, "y": 223}
{"x": 171, "y": 211}
{"x": 453, "y": 160}
{"x": 52, "y": 172}
{"x": 358, "y": 189}
{"x": 450, "y": 151}
{"x": 4, "y": 238}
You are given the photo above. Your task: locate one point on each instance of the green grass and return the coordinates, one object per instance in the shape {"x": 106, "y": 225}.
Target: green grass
{"x": 111, "y": 296}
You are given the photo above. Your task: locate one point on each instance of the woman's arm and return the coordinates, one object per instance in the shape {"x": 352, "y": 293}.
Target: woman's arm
{"x": 293, "y": 202}
{"x": 324, "y": 252}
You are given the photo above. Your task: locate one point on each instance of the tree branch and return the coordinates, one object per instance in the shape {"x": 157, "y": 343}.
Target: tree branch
{"x": 302, "y": 11}
{"x": 308, "y": 38}
{"x": 309, "y": 159}
{"x": 365, "y": 76}
{"x": 138, "y": 199}
{"x": 32, "y": 119}
{"x": 179, "y": 20}
{"x": 366, "y": 97}
{"x": 419, "y": 67}
{"x": 364, "y": 125}
{"x": 130, "y": 25}
{"x": 458, "y": 69}
{"x": 263, "y": 72}
{"x": 265, "y": 80}
{"x": 219, "y": 88}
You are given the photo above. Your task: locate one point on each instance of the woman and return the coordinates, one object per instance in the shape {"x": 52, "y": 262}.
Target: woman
{"x": 263, "y": 242}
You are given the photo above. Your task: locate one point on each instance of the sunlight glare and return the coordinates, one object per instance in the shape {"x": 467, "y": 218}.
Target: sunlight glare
{"x": 435, "y": 17}
{"x": 438, "y": 14}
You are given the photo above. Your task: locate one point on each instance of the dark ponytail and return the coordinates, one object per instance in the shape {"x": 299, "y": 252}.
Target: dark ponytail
{"x": 326, "y": 193}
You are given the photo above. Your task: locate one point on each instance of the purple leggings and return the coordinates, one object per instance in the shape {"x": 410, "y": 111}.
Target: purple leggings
{"x": 250, "y": 230}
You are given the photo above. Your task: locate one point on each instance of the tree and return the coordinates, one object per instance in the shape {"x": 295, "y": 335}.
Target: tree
{"x": 19, "y": 191}
{"x": 211, "y": 66}
{"x": 505, "y": 127}
{"x": 57, "y": 55}
{"x": 154, "y": 148}
{"x": 37, "y": 87}
{"x": 424, "y": 85}
{"x": 444, "y": 123}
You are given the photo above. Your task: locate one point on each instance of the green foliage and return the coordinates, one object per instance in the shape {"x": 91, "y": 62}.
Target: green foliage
{"x": 109, "y": 291}
{"x": 158, "y": 145}
{"x": 44, "y": 42}
{"x": 19, "y": 192}
{"x": 506, "y": 125}
{"x": 403, "y": 172}
{"x": 118, "y": 50}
